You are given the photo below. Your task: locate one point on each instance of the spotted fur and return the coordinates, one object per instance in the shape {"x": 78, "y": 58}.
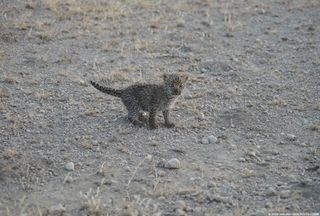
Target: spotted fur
{"x": 150, "y": 98}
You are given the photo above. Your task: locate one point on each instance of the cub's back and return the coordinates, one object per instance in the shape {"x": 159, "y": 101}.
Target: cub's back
{"x": 142, "y": 94}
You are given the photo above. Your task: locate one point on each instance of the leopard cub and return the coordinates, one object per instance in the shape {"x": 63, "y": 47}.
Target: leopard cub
{"x": 150, "y": 98}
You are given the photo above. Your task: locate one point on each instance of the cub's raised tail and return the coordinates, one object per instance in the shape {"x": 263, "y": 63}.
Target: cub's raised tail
{"x": 110, "y": 91}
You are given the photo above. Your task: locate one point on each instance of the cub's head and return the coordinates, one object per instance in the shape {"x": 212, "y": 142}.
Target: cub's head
{"x": 174, "y": 83}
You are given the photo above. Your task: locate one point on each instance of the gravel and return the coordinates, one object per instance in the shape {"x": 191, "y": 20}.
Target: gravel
{"x": 246, "y": 124}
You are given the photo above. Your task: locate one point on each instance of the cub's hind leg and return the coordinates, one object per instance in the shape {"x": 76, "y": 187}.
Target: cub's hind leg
{"x": 167, "y": 122}
{"x": 134, "y": 114}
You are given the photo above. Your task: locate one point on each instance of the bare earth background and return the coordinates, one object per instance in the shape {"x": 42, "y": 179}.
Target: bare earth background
{"x": 248, "y": 123}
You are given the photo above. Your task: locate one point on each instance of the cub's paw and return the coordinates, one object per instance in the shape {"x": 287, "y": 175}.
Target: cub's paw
{"x": 154, "y": 126}
{"x": 170, "y": 125}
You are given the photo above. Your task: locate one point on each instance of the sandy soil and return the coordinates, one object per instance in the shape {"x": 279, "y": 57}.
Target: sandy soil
{"x": 248, "y": 124}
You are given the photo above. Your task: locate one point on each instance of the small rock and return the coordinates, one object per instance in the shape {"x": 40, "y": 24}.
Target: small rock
{"x": 263, "y": 164}
{"x": 261, "y": 212}
{"x": 161, "y": 173}
{"x": 205, "y": 140}
{"x": 242, "y": 159}
{"x": 181, "y": 204}
{"x": 198, "y": 211}
{"x": 161, "y": 198}
{"x": 212, "y": 139}
{"x": 211, "y": 184}
{"x": 201, "y": 116}
{"x": 209, "y": 140}
{"x": 180, "y": 24}
{"x": 68, "y": 179}
{"x": 180, "y": 212}
{"x": 173, "y": 163}
{"x": 282, "y": 142}
{"x": 291, "y": 137}
{"x": 228, "y": 34}
{"x": 206, "y": 23}
{"x": 187, "y": 94}
{"x": 4, "y": 92}
{"x": 311, "y": 28}
{"x": 252, "y": 153}
{"x": 69, "y": 166}
{"x": 268, "y": 205}
{"x": 108, "y": 181}
{"x": 313, "y": 168}
{"x": 203, "y": 70}
{"x": 161, "y": 163}
{"x": 271, "y": 192}
{"x": 220, "y": 199}
{"x": 57, "y": 209}
{"x": 155, "y": 25}
{"x": 285, "y": 194}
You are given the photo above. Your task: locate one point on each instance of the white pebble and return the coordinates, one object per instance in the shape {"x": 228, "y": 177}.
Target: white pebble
{"x": 203, "y": 70}
{"x": 161, "y": 173}
{"x": 242, "y": 159}
{"x": 205, "y": 140}
{"x": 209, "y": 140}
{"x": 69, "y": 166}
{"x": 180, "y": 212}
{"x": 268, "y": 205}
{"x": 212, "y": 139}
{"x": 285, "y": 194}
{"x": 252, "y": 154}
{"x": 201, "y": 116}
{"x": 181, "y": 204}
{"x": 271, "y": 192}
{"x": 173, "y": 163}
{"x": 187, "y": 94}
{"x": 291, "y": 137}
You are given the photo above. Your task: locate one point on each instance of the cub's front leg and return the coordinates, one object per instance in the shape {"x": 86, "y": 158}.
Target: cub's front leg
{"x": 166, "y": 115}
{"x": 152, "y": 119}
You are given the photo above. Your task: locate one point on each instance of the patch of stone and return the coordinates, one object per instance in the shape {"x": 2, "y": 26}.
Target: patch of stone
{"x": 173, "y": 163}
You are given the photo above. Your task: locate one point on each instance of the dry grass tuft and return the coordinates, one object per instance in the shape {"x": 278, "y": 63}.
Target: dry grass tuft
{"x": 315, "y": 127}
{"x": 86, "y": 144}
{"x": 140, "y": 206}
{"x": 46, "y": 36}
{"x": 4, "y": 92}
{"x": 92, "y": 203}
{"x": 43, "y": 95}
{"x": 10, "y": 153}
{"x": 22, "y": 207}
{"x": 84, "y": 10}
{"x": 90, "y": 111}
{"x": 143, "y": 45}
{"x": 248, "y": 173}
{"x": 113, "y": 45}
{"x": 10, "y": 79}
{"x": 115, "y": 75}
{"x": 277, "y": 101}
{"x": 123, "y": 149}
{"x": 230, "y": 20}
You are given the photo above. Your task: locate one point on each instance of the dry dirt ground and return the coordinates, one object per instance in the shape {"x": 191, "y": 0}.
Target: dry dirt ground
{"x": 254, "y": 90}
